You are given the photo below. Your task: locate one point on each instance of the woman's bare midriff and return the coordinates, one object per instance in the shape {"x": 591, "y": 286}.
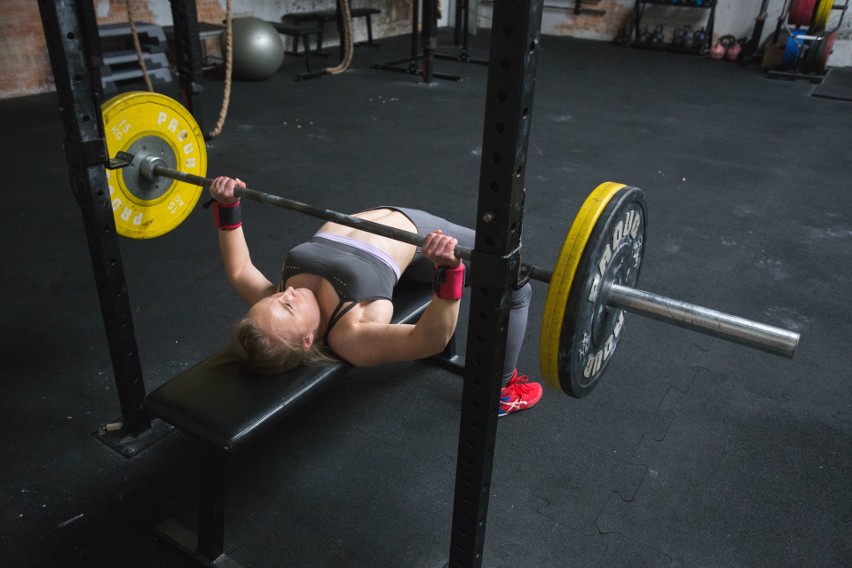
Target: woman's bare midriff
{"x": 401, "y": 253}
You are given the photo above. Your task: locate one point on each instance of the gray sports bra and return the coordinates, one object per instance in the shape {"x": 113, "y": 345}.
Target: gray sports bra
{"x": 357, "y": 271}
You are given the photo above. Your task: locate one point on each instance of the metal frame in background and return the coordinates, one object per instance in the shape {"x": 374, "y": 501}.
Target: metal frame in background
{"x": 461, "y": 33}
{"x": 425, "y": 35}
{"x": 189, "y": 57}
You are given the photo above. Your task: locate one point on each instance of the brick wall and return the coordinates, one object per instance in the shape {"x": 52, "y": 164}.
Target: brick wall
{"x": 24, "y": 62}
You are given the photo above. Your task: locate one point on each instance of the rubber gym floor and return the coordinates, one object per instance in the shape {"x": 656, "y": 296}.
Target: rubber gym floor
{"x": 692, "y": 451}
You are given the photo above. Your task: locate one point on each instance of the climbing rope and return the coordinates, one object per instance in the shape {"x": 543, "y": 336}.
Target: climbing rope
{"x": 349, "y": 44}
{"x": 229, "y": 62}
{"x": 139, "y": 56}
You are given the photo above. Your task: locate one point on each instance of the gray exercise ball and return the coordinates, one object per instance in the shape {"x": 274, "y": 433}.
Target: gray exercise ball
{"x": 257, "y": 49}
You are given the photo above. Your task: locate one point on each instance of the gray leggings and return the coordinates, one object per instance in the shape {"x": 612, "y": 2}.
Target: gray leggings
{"x": 421, "y": 268}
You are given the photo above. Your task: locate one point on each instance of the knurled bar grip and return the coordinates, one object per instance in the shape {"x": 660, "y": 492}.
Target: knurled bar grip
{"x": 534, "y": 272}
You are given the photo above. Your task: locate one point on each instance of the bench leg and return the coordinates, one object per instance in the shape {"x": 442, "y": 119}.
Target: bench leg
{"x": 206, "y": 547}
{"x": 319, "y": 39}
{"x": 450, "y": 359}
{"x": 369, "y": 42}
{"x": 307, "y": 45}
{"x": 211, "y": 504}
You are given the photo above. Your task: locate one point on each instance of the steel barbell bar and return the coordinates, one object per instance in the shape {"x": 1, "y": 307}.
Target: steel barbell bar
{"x": 752, "y": 334}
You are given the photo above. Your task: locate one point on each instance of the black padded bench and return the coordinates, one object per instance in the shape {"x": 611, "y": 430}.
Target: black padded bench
{"x": 298, "y": 32}
{"x": 225, "y": 408}
{"x": 321, "y": 17}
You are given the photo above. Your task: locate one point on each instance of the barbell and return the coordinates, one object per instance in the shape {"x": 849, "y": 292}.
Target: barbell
{"x": 157, "y": 173}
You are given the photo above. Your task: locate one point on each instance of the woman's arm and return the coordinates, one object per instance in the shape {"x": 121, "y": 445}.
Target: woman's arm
{"x": 368, "y": 343}
{"x": 249, "y": 283}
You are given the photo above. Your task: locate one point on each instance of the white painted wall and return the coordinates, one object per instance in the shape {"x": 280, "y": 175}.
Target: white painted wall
{"x": 842, "y": 54}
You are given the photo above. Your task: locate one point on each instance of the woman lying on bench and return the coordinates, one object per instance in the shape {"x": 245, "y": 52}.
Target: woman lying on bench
{"x": 334, "y": 296}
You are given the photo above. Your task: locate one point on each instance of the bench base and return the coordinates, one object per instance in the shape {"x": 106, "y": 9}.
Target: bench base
{"x": 206, "y": 546}
{"x": 116, "y": 436}
{"x": 186, "y": 541}
{"x": 225, "y": 408}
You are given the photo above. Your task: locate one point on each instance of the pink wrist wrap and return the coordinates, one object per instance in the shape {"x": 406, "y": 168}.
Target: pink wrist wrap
{"x": 227, "y": 216}
{"x": 447, "y": 282}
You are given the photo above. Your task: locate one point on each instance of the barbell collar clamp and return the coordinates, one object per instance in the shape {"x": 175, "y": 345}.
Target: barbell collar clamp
{"x": 147, "y": 166}
{"x": 703, "y": 320}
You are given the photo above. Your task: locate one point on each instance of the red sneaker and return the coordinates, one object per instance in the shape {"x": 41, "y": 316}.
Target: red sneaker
{"x": 519, "y": 394}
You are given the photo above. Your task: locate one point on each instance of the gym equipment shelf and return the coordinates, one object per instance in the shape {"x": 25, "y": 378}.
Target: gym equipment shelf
{"x": 120, "y": 60}
{"x": 806, "y": 49}
{"x": 703, "y": 45}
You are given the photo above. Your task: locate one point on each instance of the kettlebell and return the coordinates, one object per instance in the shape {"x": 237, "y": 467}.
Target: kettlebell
{"x": 726, "y": 41}
{"x": 697, "y": 40}
{"x": 681, "y": 37}
{"x": 734, "y": 51}
{"x": 717, "y": 52}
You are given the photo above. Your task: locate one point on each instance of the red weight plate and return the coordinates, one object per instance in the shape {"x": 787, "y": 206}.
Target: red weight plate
{"x": 801, "y": 12}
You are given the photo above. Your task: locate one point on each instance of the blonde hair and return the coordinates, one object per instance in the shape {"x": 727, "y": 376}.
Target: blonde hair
{"x": 270, "y": 353}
